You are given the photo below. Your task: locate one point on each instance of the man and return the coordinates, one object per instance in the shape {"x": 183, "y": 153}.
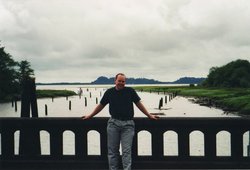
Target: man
{"x": 120, "y": 128}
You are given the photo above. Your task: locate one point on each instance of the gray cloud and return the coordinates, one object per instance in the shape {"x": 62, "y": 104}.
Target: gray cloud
{"x": 80, "y": 40}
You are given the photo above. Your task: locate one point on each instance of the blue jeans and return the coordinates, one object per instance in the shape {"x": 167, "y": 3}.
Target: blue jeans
{"x": 120, "y": 132}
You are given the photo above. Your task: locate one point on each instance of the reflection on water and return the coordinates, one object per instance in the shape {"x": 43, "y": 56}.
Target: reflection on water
{"x": 177, "y": 107}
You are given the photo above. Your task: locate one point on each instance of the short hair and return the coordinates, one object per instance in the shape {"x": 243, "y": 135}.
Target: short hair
{"x": 119, "y": 74}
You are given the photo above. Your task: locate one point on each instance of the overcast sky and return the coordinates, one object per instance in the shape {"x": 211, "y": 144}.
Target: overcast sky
{"x": 79, "y": 40}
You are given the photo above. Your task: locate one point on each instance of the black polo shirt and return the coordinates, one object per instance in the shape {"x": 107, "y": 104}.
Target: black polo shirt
{"x": 120, "y": 102}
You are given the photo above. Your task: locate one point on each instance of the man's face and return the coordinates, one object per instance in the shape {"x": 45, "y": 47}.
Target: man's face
{"x": 120, "y": 82}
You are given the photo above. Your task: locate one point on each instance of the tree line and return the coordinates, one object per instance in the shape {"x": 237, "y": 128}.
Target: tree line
{"x": 12, "y": 75}
{"x": 235, "y": 74}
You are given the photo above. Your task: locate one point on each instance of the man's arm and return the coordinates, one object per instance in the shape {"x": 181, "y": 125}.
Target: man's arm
{"x": 144, "y": 110}
{"x": 98, "y": 108}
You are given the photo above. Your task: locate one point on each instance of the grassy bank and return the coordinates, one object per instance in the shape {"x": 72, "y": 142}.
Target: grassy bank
{"x": 54, "y": 93}
{"x": 42, "y": 94}
{"x": 230, "y": 99}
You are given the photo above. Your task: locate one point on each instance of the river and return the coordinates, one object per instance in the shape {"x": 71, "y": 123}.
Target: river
{"x": 176, "y": 107}
{"x": 59, "y": 107}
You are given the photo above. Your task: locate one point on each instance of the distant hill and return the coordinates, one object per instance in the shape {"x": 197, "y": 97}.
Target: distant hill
{"x": 63, "y": 83}
{"x": 189, "y": 80}
{"x": 106, "y": 80}
{"x": 183, "y": 80}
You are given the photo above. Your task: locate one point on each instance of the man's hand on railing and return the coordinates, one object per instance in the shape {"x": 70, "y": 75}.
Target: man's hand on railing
{"x": 153, "y": 117}
{"x": 86, "y": 117}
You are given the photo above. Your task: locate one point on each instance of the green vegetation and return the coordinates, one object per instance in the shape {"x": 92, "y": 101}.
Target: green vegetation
{"x": 231, "y": 99}
{"x": 234, "y": 74}
{"x": 8, "y": 75}
{"x": 54, "y": 93}
{"x": 12, "y": 75}
{"x": 25, "y": 71}
{"x": 227, "y": 87}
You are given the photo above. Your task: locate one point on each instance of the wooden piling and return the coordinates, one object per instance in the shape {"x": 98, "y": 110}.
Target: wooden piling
{"x": 86, "y": 102}
{"x": 70, "y": 105}
{"x": 160, "y": 103}
{"x": 29, "y": 137}
{"x": 15, "y": 106}
{"x": 46, "y": 110}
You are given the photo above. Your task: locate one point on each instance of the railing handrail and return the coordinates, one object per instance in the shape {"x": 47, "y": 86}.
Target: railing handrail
{"x": 182, "y": 126}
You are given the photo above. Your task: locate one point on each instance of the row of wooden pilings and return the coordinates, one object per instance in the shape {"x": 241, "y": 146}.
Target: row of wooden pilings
{"x": 167, "y": 99}
{"x": 70, "y": 102}
{"x": 171, "y": 96}
{"x": 15, "y": 99}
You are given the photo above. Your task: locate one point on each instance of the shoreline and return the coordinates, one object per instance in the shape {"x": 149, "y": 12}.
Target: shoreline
{"x": 235, "y": 100}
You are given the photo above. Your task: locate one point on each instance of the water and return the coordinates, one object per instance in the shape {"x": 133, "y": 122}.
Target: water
{"x": 59, "y": 107}
{"x": 177, "y": 107}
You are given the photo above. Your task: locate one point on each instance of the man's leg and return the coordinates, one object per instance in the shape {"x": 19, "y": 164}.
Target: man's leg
{"x": 113, "y": 144}
{"x": 127, "y": 135}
